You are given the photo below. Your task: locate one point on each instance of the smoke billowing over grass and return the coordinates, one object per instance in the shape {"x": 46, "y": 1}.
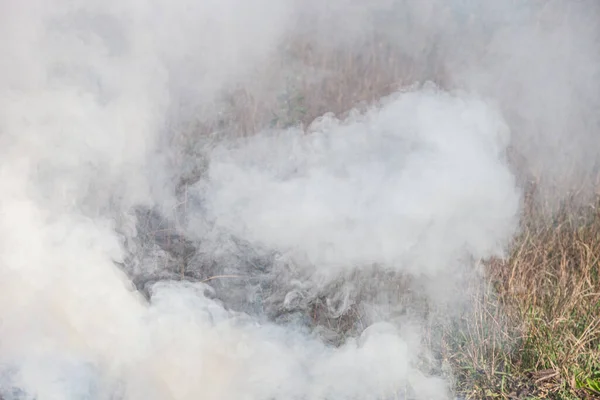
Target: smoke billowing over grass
{"x": 282, "y": 199}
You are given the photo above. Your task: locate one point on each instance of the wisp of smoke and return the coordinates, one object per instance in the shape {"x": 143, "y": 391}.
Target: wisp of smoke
{"x": 417, "y": 186}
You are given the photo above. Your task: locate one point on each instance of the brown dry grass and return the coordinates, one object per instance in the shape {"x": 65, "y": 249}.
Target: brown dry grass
{"x": 536, "y": 331}
{"x": 536, "y": 334}
{"x": 550, "y": 290}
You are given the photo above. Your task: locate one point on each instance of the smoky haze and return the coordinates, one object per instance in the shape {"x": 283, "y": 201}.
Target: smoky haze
{"x": 154, "y": 244}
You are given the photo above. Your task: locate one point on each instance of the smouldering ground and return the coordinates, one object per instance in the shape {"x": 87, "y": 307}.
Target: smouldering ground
{"x": 535, "y": 331}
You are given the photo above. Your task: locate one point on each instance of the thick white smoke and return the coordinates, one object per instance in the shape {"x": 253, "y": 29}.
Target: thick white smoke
{"x": 418, "y": 185}
{"x": 389, "y": 187}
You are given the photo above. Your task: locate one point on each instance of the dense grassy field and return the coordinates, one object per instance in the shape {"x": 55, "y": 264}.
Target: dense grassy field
{"x": 545, "y": 340}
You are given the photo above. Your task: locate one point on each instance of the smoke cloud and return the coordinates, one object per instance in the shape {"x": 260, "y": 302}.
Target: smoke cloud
{"x": 123, "y": 278}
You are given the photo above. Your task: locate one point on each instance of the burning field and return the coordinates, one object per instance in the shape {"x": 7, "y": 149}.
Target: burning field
{"x": 299, "y": 200}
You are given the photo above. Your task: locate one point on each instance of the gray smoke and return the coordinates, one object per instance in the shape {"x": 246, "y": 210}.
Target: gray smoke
{"x": 290, "y": 264}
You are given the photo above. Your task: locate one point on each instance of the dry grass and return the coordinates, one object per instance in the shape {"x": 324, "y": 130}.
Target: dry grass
{"x": 549, "y": 291}
{"x": 536, "y": 330}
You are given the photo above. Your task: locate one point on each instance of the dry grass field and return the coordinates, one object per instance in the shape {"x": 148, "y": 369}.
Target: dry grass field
{"x": 535, "y": 330}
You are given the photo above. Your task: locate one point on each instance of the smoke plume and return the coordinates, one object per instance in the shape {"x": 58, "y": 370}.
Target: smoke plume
{"x": 296, "y": 262}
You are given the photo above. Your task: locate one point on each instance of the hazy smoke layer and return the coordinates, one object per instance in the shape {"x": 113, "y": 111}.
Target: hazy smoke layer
{"x": 388, "y": 187}
{"x": 418, "y": 185}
